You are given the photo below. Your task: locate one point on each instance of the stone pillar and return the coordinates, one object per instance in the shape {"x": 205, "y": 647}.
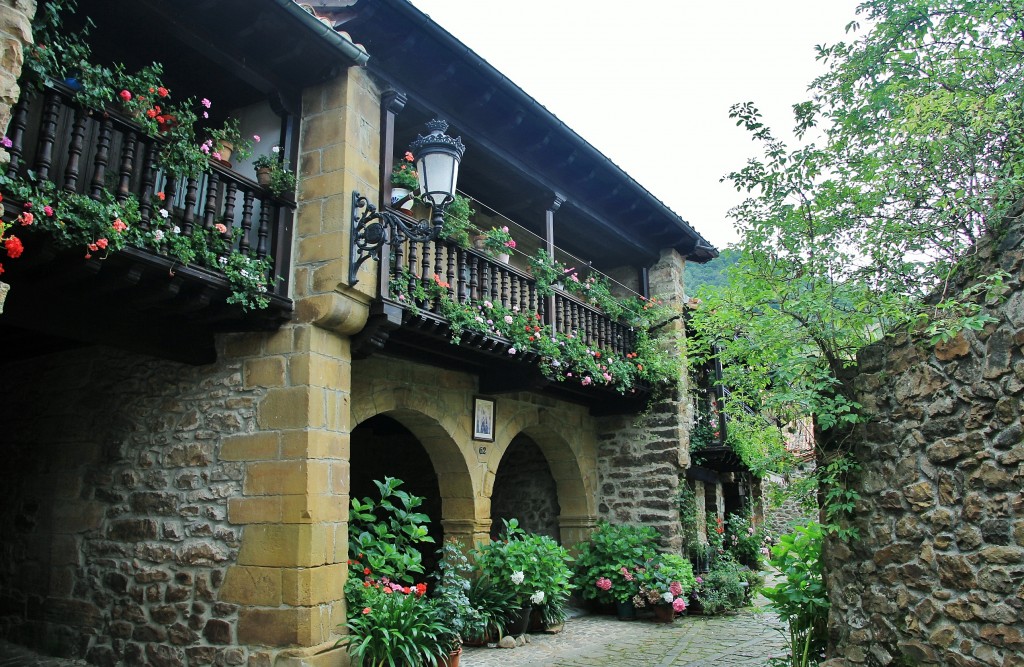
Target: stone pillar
{"x": 640, "y": 461}
{"x": 15, "y": 31}
{"x": 291, "y": 571}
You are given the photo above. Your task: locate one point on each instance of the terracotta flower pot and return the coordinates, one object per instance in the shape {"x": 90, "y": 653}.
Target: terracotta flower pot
{"x": 263, "y": 176}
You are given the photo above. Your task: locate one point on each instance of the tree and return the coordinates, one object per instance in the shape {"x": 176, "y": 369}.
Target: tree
{"x": 865, "y": 230}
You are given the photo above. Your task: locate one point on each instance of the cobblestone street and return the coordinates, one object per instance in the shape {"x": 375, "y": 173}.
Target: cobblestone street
{"x": 747, "y": 639}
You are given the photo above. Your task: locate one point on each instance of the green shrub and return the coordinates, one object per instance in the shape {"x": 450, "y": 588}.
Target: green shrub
{"x": 533, "y": 568}
{"x": 612, "y": 555}
{"x": 383, "y": 535}
{"x": 801, "y": 599}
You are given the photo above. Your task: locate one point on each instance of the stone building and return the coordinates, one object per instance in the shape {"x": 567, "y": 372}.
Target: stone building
{"x": 177, "y": 469}
{"x": 936, "y": 576}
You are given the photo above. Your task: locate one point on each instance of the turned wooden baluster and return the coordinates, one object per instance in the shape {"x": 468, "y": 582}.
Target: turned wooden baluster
{"x": 243, "y": 244}
{"x": 170, "y": 192}
{"x": 148, "y": 182}
{"x": 210, "y": 209}
{"x": 71, "y": 172}
{"x": 474, "y": 277}
{"x": 47, "y": 134}
{"x": 229, "y": 194}
{"x": 100, "y": 161}
{"x": 397, "y": 268}
{"x": 19, "y": 119}
{"x": 505, "y": 300}
{"x": 188, "y": 220}
{"x": 464, "y": 277}
{"x": 513, "y": 291}
{"x": 263, "y": 231}
{"x": 127, "y": 166}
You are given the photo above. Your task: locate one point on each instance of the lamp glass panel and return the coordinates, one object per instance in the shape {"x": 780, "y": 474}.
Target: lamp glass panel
{"x": 438, "y": 172}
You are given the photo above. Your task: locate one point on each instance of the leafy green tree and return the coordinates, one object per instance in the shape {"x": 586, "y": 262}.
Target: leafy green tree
{"x": 907, "y": 152}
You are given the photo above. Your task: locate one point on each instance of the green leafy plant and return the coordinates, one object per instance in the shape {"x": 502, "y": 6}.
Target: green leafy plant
{"x": 396, "y": 629}
{"x": 801, "y": 599}
{"x": 457, "y": 225}
{"x": 494, "y": 605}
{"x": 450, "y": 595}
{"x": 403, "y": 174}
{"x": 229, "y": 135}
{"x": 533, "y": 568}
{"x": 721, "y": 588}
{"x": 666, "y": 579}
{"x": 385, "y": 532}
{"x": 744, "y": 541}
{"x": 498, "y": 241}
{"x": 606, "y": 563}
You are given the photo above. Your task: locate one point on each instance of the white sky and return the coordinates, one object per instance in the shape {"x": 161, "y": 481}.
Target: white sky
{"x": 649, "y": 82}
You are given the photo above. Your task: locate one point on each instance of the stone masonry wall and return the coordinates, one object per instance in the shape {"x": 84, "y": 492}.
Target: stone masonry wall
{"x": 640, "y": 458}
{"x": 15, "y": 31}
{"x": 937, "y": 576}
{"x": 113, "y": 520}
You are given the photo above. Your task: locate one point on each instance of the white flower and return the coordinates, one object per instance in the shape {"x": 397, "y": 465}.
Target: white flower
{"x": 158, "y": 235}
{"x": 176, "y": 230}
{"x": 164, "y": 213}
{"x": 537, "y": 597}
{"x": 223, "y": 261}
{"x": 518, "y": 577}
{"x": 667, "y": 597}
{"x": 276, "y": 149}
{"x": 511, "y": 350}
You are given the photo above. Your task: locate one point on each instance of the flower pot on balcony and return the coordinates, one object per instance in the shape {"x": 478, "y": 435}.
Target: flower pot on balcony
{"x": 402, "y": 198}
{"x": 223, "y": 151}
{"x": 503, "y": 257}
{"x": 263, "y": 177}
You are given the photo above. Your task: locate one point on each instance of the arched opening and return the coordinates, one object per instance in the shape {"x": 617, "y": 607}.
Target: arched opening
{"x": 382, "y": 447}
{"x": 525, "y": 489}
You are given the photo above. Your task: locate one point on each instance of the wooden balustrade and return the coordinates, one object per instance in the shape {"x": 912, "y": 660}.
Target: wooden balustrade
{"x": 89, "y": 153}
{"x": 472, "y": 276}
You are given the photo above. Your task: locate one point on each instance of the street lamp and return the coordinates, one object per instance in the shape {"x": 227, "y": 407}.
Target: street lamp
{"x": 437, "y": 158}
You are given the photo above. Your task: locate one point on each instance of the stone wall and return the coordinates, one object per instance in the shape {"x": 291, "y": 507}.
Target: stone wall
{"x": 524, "y": 490}
{"x": 113, "y": 520}
{"x": 936, "y": 576}
{"x": 640, "y": 459}
{"x": 15, "y": 31}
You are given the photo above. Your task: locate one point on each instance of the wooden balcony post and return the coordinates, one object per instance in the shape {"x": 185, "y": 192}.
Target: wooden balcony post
{"x": 549, "y": 239}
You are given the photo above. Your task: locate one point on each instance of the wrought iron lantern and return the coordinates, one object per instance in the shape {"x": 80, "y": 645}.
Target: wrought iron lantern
{"x": 437, "y": 158}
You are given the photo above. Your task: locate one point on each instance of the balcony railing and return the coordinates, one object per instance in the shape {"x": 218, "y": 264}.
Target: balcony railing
{"x": 473, "y": 276}
{"x": 418, "y": 280}
{"x": 88, "y": 152}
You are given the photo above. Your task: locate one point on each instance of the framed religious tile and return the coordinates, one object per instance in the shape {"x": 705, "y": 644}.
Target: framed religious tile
{"x": 483, "y": 419}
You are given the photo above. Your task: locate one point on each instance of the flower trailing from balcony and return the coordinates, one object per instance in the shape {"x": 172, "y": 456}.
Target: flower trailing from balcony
{"x": 562, "y": 357}
{"x": 228, "y": 137}
{"x": 403, "y": 174}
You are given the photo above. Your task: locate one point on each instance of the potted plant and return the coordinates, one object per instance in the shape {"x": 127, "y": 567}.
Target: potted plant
{"x": 227, "y": 140}
{"x": 273, "y": 173}
{"x": 404, "y": 181}
{"x": 451, "y": 601}
{"x": 395, "y": 628}
{"x": 606, "y": 563}
{"x": 263, "y": 165}
{"x": 665, "y": 582}
{"x": 533, "y": 569}
{"x": 494, "y": 605}
{"x": 497, "y": 242}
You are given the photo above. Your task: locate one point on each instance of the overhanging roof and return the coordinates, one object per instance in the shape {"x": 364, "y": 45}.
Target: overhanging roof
{"x": 615, "y": 218}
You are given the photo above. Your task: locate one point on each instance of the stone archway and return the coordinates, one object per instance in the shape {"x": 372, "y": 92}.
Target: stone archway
{"x": 573, "y": 472}
{"x": 418, "y": 417}
{"x": 525, "y": 490}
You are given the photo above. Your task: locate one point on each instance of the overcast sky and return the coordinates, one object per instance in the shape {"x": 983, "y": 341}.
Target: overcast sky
{"x": 649, "y": 82}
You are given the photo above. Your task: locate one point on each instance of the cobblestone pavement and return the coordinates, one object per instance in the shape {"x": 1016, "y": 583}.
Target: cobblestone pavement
{"x": 747, "y": 639}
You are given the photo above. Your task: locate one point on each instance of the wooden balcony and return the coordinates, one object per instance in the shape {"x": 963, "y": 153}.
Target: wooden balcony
{"x": 138, "y": 297}
{"x": 403, "y": 325}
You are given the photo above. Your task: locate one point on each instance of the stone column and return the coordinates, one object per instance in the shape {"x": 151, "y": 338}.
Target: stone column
{"x": 291, "y": 571}
{"x": 640, "y": 460}
{"x": 15, "y": 31}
